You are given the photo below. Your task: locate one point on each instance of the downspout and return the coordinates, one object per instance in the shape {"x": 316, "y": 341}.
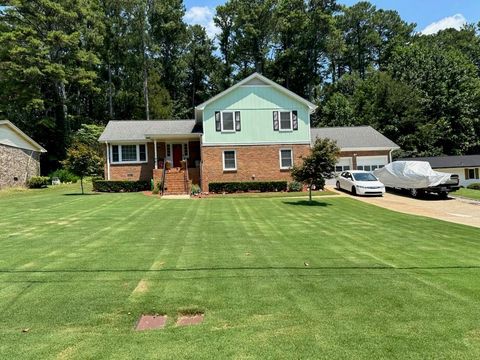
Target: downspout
{"x": 390, "y": 156}
{"x": 108, "y": 160}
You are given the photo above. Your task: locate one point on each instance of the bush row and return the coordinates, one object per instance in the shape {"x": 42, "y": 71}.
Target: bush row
{"x": 474, "y": 186}
{"x": 37, "y": 182}
{"x": 120, "y": 186}
{"x": 64, "y": 176}
{"x": 262, "y": 186}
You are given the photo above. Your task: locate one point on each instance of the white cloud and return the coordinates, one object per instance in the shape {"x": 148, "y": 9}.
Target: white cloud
{"x": 456, "y": 22}
{"x": 202, "y": 15}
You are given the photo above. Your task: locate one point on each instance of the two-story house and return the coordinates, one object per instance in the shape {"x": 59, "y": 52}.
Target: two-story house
{"x": 254, "y": 130}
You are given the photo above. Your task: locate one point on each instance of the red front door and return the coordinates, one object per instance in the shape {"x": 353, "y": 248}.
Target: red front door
{"x": 177, "y": 154}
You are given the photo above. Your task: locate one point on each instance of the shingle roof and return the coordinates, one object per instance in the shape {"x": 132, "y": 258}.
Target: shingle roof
{"x": 456, "y": 161}
{"x": 132, "y": 130}
{"x": 354, "y": 137}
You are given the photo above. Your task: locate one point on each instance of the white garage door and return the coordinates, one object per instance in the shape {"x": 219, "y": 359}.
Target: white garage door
{"x": 370, "y": 163}
{"x": 343, "y": 164}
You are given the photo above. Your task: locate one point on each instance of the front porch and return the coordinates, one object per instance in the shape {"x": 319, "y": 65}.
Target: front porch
{"x": 176, "y": 165}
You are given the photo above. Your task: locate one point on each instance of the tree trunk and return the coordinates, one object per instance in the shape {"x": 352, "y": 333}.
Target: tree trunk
{"x": 310, "y": 192}
{"x": 110, "y": 92}
{"x": 145, "y": 90}
{"x": 81, "y": 184}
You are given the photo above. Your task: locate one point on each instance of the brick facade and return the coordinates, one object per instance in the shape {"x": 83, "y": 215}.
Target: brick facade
{"x": 254, "y": 162}
{"x": 145, "y": 171}
{"x": 17, "y": 166}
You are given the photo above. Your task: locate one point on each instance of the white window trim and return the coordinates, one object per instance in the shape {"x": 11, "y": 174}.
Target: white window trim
{"x": 280, "y": 120}
{"x": 221, "y": 121}
{"x": 223, "y": 160}
{"x": 280, "y": 158}
{"x": 120, "y": 161}
{"x": 474, "y": 173}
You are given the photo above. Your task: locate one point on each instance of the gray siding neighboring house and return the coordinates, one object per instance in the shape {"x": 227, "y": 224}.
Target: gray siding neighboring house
{"x": 19, "y": 156}
{"x": 467, "y": 167}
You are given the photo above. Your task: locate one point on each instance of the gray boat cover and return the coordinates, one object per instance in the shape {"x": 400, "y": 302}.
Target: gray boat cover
{"x": 410, "y": 175}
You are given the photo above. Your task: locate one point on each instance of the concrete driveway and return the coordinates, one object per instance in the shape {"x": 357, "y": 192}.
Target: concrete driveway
{"x": 461, "y": 211}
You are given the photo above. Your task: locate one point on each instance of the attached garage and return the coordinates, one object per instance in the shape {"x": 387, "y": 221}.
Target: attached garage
{"x": 361, "y": 147}
{"x": 343, "y": 164}
{"x": 370, "y": 163}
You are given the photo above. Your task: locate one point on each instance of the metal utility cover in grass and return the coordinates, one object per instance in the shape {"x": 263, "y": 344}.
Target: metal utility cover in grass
{"x": 186, "y": 320}
{"x": 149, "y": 322}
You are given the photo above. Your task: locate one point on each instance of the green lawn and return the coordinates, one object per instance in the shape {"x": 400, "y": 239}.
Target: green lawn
{"x": 379, "y": 284}
{"x": 468, "y": 193}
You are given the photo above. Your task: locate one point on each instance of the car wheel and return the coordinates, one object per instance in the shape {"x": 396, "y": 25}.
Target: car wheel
{"x": 443, "y": 195}
{"x": 354, "y": 191}
{"x": 338, "y": 185}
{"x": 415, "y": 193}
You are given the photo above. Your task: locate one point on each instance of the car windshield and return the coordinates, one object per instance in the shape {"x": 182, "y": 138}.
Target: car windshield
{"x": 364, "y": 177}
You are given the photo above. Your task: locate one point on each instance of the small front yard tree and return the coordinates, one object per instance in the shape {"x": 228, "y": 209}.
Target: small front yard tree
{"x": 317, "y": 166}
{"x": 83, "y": 161}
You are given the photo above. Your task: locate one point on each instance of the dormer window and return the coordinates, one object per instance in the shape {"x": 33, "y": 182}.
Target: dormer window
{"x": 228, "y": 122}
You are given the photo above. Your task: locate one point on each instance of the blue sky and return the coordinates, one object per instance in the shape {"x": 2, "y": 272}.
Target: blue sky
{"x": 429, "y": 15}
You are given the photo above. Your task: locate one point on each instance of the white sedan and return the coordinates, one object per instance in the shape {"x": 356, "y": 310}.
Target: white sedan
{"x": 360, "y": 183}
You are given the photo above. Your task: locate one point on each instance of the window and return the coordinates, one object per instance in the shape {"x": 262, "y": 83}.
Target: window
{"x": 340, "y": 168}
{"x": 115, "y": 154}
{"x": 229, "y": 160}
{"x": 286, "y": 158}
{"x": 228, "y": 121}
{"x": 129, "y": 153}
{"x": 142, "y": 149}
{"x": 471, "y": 174}
{"x": 285, "y": 120}
{"x": 185, "y": 151}
{"x": 169, "y": 150}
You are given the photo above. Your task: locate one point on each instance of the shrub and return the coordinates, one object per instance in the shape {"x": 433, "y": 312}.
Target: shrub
{"x": 37, "y": 182}
{"x": 195, "y": 190}
{"x": 295, "y": 186}
{"x": 157, "y": 188}
{"x": 474, "y": 186}
{"x": 64, "y": 175}
{"x": 262, "y": 186}
{"x": 120, "y": 186}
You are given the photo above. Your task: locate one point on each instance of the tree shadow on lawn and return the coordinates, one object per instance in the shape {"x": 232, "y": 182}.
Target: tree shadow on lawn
{"x": 306, "y": 203}
{"x": 80, "y": 194}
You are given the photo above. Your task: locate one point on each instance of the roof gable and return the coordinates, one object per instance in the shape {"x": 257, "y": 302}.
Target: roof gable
{"x": 11, "y": 135}
{"x": 257, "y": 79}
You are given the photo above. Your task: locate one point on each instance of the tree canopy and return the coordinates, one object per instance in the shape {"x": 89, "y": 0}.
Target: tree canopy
{"x": 318, "y": 165}
{"x": 67, "y": 63}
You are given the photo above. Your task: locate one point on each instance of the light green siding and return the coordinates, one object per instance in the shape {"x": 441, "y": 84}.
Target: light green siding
{"x": 256, "y": 104}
